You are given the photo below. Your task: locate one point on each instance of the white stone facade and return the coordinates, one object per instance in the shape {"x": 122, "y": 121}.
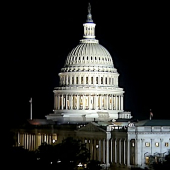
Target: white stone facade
{"x": 149, "y": 141}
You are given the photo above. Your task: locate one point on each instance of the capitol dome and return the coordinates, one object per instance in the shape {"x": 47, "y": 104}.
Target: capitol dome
{"x": 89, "y": 53}
{"x": 88, "y": 87}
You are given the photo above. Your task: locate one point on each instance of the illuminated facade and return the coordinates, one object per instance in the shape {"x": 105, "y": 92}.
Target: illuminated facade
{"x": 88, "y": 83}
{"x": 119, "y": 144}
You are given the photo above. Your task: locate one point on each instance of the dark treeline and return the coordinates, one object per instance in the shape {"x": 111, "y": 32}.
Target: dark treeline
{"x": 66, "y": 155}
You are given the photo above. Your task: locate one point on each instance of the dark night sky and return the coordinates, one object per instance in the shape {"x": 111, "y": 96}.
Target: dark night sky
{"x": 39, "y": 37}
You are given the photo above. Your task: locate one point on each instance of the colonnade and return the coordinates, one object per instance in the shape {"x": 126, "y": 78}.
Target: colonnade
{"x": 109, "y": 151}
{"x": 90, "y": 80}
{"x": 31, "y": 141}
{"x": 89, "y": 29}
{"x": 88, "y": 102}
{"x": 117, "y": 151}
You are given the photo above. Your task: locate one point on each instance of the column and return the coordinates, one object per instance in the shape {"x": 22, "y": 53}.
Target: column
{"x": 71, "y": 102}
{"x": 55, "y": 102}
{"x": 27, "y": 147}
{"x": 99, "y": 80}
{"x": 83, "y": 102}
{"x": 111, "y": 151}
{"x": 62, "y": 102}
{"x": 94, "y": 79}
{"x": 99, "y": 150}
{"x": 95, "y": 100}
{"x": 112, "y": 104}
{"x": 119, "y": 101}
{"x": 100, "y": 102}
{"x": 58, "y": 102}
{"x": 104, "y": 80}
{"x": 124, "y": 151}
{"x": 151, "y": 145}
{"x": 74, "y": 79}
{"x": 107, "y": 152}
{"x": 79, "y": 79}
{"x": 89, "y": 79}
{"x": 122, "y": 102}
{"x": 66, "y": 102}
{"x": 120, "y": 151}
{"x": 138, "y": 151}
{"x": 104, "y": 151}
{"x": 105, "y": 98}
{"x": 115, "y": 102}
{"x": 84, "y": 79}
{"x": 94, "y": 150}
{"x": 107, "y": 101}
{"x": 67, "y": 80}
{"x": 78, "y": 103}
{"x": 89, "y": 98}
{"x": 142, "y": 154}
{"x": 18, "y": 144}
{"x": 128, "y": 152}
{"x": 161, "y": 140}
{"x": 115, "y": 151}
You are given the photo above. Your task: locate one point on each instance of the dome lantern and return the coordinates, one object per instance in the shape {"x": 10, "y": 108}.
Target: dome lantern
{"x": 89, "y": 26}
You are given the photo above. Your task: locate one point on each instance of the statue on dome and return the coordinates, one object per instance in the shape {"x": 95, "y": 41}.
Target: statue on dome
{"x": 89, "y": 16}
{"x": 89, "y": 9}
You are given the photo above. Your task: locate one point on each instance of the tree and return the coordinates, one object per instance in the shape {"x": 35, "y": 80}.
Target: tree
{"x": 94, "y": 165}
{"x": 65, "y": 155}
{"x": 72, "y": 152}
{"x": 165, "y": 165}
{"x": 45, "y": 154}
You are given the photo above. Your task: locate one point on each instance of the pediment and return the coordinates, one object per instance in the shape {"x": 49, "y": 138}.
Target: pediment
{"x": 91, "y": 128}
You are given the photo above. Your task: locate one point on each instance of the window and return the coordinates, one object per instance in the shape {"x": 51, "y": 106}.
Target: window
{"x": 166, "y": 144}
{"x": 68, "y": 80}
{"x": 157, "y": 144}
{"x": 86, "y": 80}
{"x": 109, "y": 80}
{"x": 96, "y": 80}
{"x": 101, "y": 80}
{"x": 147, "y": 160}
{"x": 72, "y": 80}
{"x": 133, "y": 144}
{"x": 76, "y": 80}
{"x": 81, "y": 80}
{"x": 147, "y": 144}
{"x": 91, "y": 80}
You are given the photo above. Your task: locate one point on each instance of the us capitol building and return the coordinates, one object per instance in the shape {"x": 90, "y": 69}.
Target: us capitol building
{"x": 88, "y": 83}
{"x": 88, "y": 105}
